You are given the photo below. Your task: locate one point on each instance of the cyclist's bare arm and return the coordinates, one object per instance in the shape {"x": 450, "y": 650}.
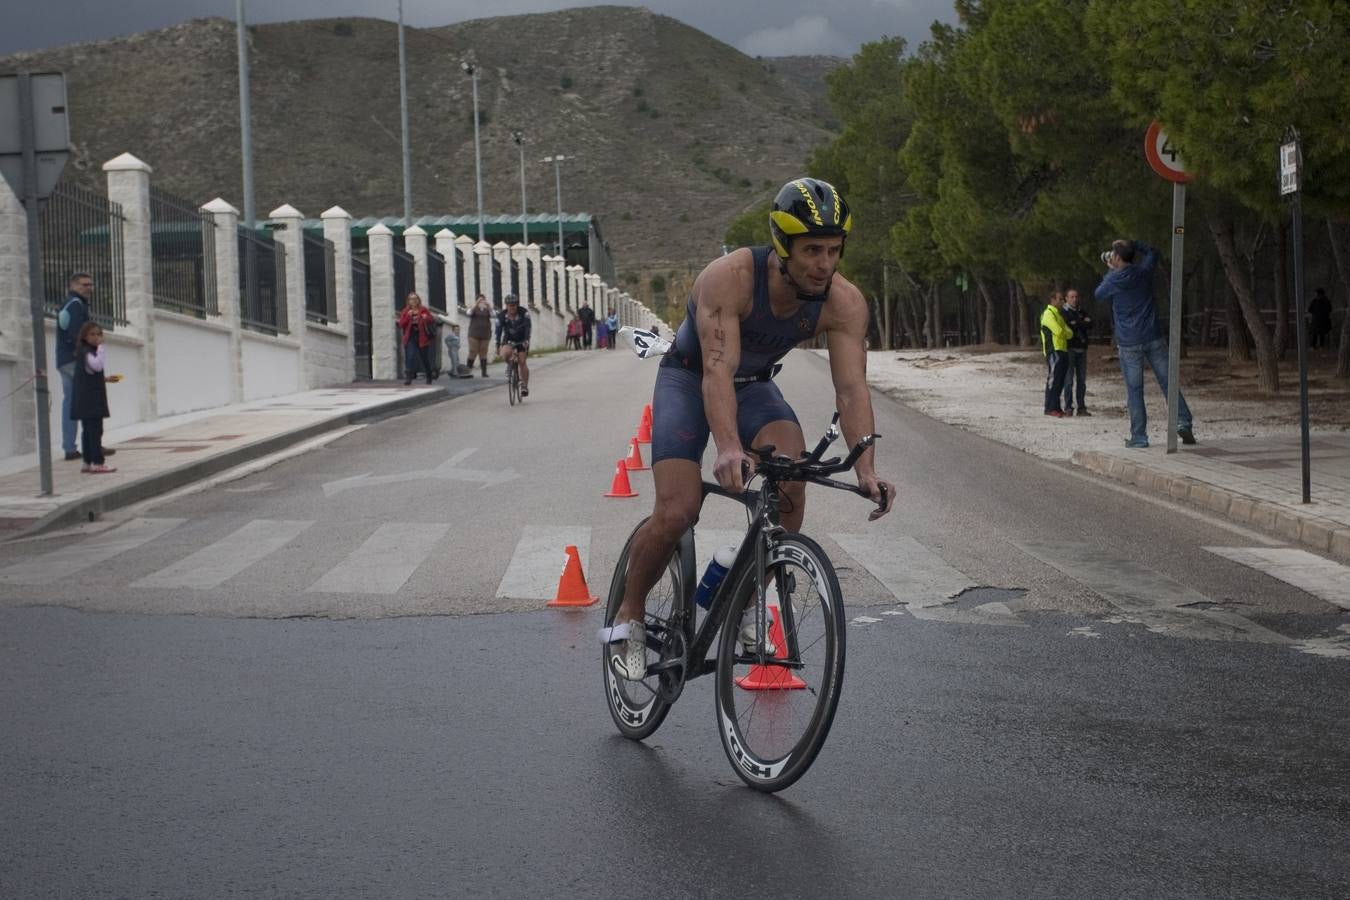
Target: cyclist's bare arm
{"x": 846, "y": 336}
{"x": 722, "y": 295}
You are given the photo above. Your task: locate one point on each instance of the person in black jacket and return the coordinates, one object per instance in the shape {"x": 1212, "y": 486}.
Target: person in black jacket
{"x": 89, "y": 400}
{"x": 1075, "y": 379}
{"x": 587, "y": 324}
{"x": 1319, "y": 320}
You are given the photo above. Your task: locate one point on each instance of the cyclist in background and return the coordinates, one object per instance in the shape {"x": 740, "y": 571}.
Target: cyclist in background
{"x": 747, "y": 310}
{"x": 513, "y": 338}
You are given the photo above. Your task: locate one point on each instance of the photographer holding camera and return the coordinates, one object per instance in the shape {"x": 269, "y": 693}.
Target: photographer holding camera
{"x": 1128, "y": 287}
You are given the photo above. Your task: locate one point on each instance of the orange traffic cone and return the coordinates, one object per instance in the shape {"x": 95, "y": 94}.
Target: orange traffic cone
{"x": 644, "y": 431}
{"x": 621, "y": 487}
{"x": 772, "y": 678}
{"x": 572, "y": 590}
{"x": 634, "y": 461}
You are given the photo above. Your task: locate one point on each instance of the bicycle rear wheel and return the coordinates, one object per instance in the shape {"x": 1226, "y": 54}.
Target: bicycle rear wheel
{"x": 773, "y": 716}
{"x": 639, "y": 707}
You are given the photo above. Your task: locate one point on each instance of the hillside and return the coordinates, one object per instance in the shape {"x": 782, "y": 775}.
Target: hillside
{"x": 675, "y": 133}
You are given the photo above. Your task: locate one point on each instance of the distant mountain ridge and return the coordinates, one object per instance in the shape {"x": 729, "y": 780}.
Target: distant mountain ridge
{"x": 674, "y": 132}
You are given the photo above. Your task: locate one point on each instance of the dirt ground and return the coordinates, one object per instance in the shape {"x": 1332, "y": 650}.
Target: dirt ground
{"x": 998, "y": 391}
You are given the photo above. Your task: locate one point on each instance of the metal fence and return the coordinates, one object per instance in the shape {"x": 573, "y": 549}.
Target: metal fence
{"x": 82, "y": 232}
{"x": 435, "y": 280}
{"x": 361, "y": 337}
{"x": 183, "y": 256}
{"x": 405, "y": 276}
{"x": 320, "y": 289}
{"x": 496, "y": 283}
{"x": 529, "y": 281}
{"x": 262, "y": 283}
{"x": 457, "y": 260}
{"x": 515, "y": 279}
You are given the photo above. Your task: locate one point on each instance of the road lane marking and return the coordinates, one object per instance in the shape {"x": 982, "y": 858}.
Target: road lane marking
{"x": 1320, "y": 577}
{"x": 446, "y": 471}
{"x": 213, "y": 564}
{"x": 385, "y": 561}
{"x": 1148, "y": 597}
{"x": 538, "y": 560}
{"x": 76, "y": 557}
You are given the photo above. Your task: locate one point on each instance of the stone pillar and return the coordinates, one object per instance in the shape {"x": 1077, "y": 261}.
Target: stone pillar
{"x": 337, "y": 227}
{"x": 18, "y": 410}
{"x": 501, "y": 254}
{"x": 129, "y": 185}
{"x": 522, "y": 289}
{"x": 575, "y": 283}
{"x": 288, "y": 231}
{"x": 226, "y": 218}
{"x": 468, "y": 260}
{"x": 385, "y": 362}
{"x": 535, "y": 257}
{"x": 482, "y": 252}
{"x": 415, "y": 242}
{"x": 445, "y": 246}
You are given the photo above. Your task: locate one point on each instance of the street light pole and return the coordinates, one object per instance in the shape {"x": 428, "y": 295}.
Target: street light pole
{"x": 472, "y": 71}
{"x": 557, "y": 161}
{"x": 519, "y": 138}
{"x": 403, "y": 109}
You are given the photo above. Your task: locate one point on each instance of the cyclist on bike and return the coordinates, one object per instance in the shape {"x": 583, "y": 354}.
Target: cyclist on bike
{"x": 513, "y": 338}
{"x": 744, "y": 315}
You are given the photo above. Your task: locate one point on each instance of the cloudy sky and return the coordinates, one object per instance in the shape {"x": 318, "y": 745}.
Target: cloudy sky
{"x": 794, "y": 26}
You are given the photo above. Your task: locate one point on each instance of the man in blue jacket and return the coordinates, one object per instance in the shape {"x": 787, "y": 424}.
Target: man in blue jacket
{"x": 1128, "y": 287}
{"x": 74, "y": 313}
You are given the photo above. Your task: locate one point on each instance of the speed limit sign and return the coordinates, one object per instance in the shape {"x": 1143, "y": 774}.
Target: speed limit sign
{"x": 1163, "y": 155}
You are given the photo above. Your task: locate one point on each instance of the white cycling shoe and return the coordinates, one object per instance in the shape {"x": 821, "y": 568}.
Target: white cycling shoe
{"x": 629, "y": 641}
{"x": 748, "y": 626}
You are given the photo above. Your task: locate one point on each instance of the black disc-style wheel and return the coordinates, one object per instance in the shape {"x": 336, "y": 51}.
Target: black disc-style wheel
{"x": 775, "y": 709}
{"x": 639, "y": 707}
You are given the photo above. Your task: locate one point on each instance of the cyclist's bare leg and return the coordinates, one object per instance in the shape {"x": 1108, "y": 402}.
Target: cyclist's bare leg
{"x": 787, "y": 437}
{"x": 521, "y": 356}
{"x": 679, "y": 494}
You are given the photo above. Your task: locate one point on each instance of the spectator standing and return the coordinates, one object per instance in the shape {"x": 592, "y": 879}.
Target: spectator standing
{"x": 1319, "y": 320}
{"x": 452, "y": 351}
{"x": 601, "y": 334}
{"x": 1128, "y": 287}
{"x": 587, "y": 316}
{"x": 1075, "y": 372}
{"x": 574, "y": 333}
{"x": 419, "y": 328}
{"x": 612, "y": 325}
{"x": 69, "y": 323}
{"x": 89, "y": 400}
{"x": 480, "y": 331}
{"x": 1055, "y": 335}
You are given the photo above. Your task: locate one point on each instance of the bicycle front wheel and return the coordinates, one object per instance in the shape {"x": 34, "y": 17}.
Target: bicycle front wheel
{"x": 773, "y": 714}
{"x": 513, "y": 386}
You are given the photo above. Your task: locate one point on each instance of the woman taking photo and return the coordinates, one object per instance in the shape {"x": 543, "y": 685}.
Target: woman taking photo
{"x": 419, "y": 330}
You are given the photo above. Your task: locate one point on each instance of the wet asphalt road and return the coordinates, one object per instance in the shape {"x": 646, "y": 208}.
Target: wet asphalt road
{"x": 448, "y": 742}
{"x": 171, "y": 756}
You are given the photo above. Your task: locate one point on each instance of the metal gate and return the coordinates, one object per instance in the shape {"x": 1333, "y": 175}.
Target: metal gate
{"x": 361, "y": 319}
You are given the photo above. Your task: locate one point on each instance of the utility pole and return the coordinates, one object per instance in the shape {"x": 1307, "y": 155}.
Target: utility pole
{"x": 472, "y": 71}
{"x": 519, "y": 138}
{"x": 246, "y": 141}
{"x": 557, "y": 160}
{"x": 403, "y": 104}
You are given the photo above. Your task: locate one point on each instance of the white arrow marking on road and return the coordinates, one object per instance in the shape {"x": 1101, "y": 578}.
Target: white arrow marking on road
{"x": 864, "y": 620}
{"x": 446, "y": 471}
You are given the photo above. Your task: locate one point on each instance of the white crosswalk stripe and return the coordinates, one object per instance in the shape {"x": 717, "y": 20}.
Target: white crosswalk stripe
{"x": 538, "y": 560}
{"x": 73, "y": 558}
{"x": 385, "y": 561}
{"x": 1319, "y": 577}
{"x": 217, "y": 562}
{"x": 1150, "y": 598}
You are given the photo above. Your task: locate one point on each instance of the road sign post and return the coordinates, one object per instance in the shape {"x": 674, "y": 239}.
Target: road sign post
{"x": 1165, "y": 159}
{"x": 1291, "y": 163}
{"x": 34, "y": 144}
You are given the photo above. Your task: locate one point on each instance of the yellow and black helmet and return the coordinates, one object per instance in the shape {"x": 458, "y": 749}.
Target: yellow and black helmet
{"x": 807, "y": 206}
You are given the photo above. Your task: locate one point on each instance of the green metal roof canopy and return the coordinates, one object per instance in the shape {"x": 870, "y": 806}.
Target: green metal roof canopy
{"x": 542, "y": 226}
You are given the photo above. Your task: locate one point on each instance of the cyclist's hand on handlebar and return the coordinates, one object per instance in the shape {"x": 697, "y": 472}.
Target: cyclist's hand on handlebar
{"x": 732, "y": 468}
{"x": 881, "y": 492}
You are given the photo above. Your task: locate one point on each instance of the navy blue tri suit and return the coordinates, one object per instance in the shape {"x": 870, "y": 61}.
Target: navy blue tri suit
{"x": 679, "y": 426}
